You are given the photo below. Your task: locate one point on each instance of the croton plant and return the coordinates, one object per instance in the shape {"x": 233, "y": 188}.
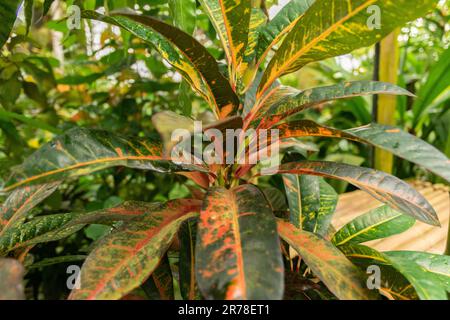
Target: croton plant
{"x": 234, "y": 239}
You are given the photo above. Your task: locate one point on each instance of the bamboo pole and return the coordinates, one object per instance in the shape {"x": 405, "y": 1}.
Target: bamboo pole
{"x": 387, "y": 105}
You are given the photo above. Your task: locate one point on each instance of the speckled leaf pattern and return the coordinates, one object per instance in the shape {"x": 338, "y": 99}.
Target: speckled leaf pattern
{"x": 392, "y": 139}
{"x": 59, "y": 226}
{"x": 222, "y": 96}
{"x": 298, "y": 101}
{"x": 386, "y": 188}
{"x": 162, "y": 45}
{"x": 11, "y": 277}
{"x": 393, "y": 284}
{"x": 308, "y": 128}
{"x": 8, "y": 14}
{"x": 238, "y": 255}
{"x": 438, "y": 265}
{"x": 406, "y": 146}
{"x": 231, "y": 19}
{"x": 280, "y": 25}
{"x": 39, "y": 230}
{"x": 341, "y": 277}
{"x": 379, "y": 223}
{"x": 124, "y": 259}
{"x": 428, "y": 286}
{"x": 21, "y": 201}
{"x": 82, "y": 151}
{"x": 335, "y": 27}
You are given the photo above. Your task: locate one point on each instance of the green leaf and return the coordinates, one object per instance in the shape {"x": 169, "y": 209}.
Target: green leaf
{"x": 47, "y": 6}
{"x": 21, "y": 201}
{"x": 437, "y": 82}
{"x": 428, "y": 286}
{"x": 406, "y": 146}
{"x": 238, "y": 252}
{"x": 439, "y": 265}
{"x": 8, "y": 14}
{"x": 382, "y": 186}
{"x": 123, "y": 260}
{"x": 11, "y": 277}
{"x": 341, "y": 277}
{"x": 7, "y": 115}
{"x": 195, "y": 60}
{"x": 379, "y": 223}
{"x": 393, "y": 284}
{"x": 392, "y": 139}
{"x": 82, "y": 151}
{"x": 280, "y": 25}
{"x": 334, "y": 27}
{"x": 183, "y": 14}
{"x": 298, "y": 101}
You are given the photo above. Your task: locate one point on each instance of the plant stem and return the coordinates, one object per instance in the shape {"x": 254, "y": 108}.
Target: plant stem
{"x": 447, "y": 251}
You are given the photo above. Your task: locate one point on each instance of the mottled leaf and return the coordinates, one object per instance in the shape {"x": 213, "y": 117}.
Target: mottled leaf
{"x": 238, "y": 252}
{"x": 297, "y": 101}
{"x": 341, "y": 277}
{"x": 195, "y": 60}
{"x": 82, "y": 151}
{"x": 11, "y": 277}
{"x": 334, "y": 27}
{"x": 379, "y": 223}
{"x": 281, "y": 25}
{"x": 231, "y": 18}
{"x": 21, "y": 201}
{"x": 124, "y": 259}
{"x": 406, "y": 146}
{"x": 386, "y": 188}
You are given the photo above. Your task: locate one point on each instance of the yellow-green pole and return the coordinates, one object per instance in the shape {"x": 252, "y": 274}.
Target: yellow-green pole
{"x": 387, "y": 105}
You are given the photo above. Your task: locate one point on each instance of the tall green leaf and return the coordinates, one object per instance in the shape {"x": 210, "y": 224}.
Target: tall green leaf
{"x": 341, "y": 277}
{"x": 8, "y": 14}
{"x": 386, "y": 188}
{"x": 124, "y": 259}
{"x": 438, "y": 81}
{"x": 334, "y": 27}
{"x": 238, "y": 252}
{"x": 379, "y": 223}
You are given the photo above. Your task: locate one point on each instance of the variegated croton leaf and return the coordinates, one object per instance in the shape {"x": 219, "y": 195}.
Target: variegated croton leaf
{"x": 238, "y": 251}
{"x": 82, "y": 151}
{"x": 386, "y": 188}
{"x": 124, "y": 259}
